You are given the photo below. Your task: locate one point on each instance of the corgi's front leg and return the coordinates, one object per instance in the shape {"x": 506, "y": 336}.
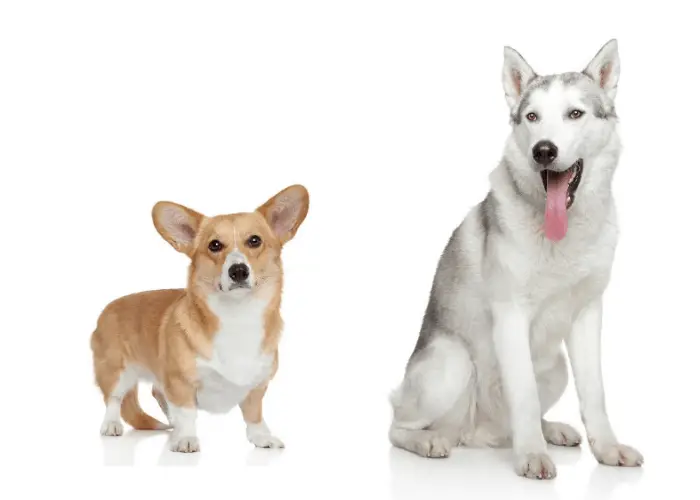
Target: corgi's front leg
{"x": 182, "y": 406}
{"x": 256, "y": 429}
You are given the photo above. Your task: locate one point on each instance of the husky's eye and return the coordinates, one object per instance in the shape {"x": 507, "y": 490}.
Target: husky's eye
{"x": 254, "y": 241}
{"x": 531, "y": 117}
{"x": 215, "y": 246}
{"x": 576, "y": 114}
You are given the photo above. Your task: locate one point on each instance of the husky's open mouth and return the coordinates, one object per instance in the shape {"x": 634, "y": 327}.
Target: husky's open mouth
{"x": 561, "y": 192}
{"x": 572, "y": 176}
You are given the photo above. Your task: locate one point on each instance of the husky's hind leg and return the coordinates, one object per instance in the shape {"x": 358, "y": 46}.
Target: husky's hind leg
{"x": 429, "y": 406}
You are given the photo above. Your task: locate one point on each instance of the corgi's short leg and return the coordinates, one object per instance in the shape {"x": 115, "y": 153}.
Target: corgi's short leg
{"x": 162, "y": 402}
{"x": 256, "y": 429}
{"x": 180, "y": 398}
{"x": 114, "y": 384}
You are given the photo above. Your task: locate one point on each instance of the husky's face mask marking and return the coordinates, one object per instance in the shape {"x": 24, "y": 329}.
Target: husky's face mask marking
{"x": 559, "y": 121}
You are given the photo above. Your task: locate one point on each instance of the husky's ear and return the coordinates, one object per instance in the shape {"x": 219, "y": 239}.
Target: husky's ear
{"x": 285, "y": 211}
{"x": 604, "y": 69}
{"x": 517, "y": 73}
{"x": 177, "y": 225}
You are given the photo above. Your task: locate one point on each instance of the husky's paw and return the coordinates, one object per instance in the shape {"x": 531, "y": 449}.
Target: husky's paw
{"x": 617, "y": 455}
{"x": 433, "y": 447}
{"x": 429, "y": 444}
{"x": 560, "y": 434}
{"x": 535, "y": 466}
{"x": 185, "y": 445}
{"x": 265, "y": 441}
{"x": 112, "y": 429}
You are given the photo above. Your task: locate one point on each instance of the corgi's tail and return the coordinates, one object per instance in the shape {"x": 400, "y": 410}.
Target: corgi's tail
{"x": 134, "y": 415}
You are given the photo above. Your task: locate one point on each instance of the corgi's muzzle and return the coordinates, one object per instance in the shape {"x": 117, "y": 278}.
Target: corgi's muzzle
{"x": 236, "y": 273}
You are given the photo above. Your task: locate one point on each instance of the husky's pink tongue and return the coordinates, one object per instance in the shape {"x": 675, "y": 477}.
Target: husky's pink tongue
{"x": 556, "y": 221}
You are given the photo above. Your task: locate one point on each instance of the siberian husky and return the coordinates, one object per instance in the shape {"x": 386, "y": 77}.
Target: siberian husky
{"x": 521, "y": 278}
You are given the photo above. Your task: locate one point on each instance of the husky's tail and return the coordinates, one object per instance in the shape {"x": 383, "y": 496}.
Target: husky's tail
{"x": 134, "y": 415}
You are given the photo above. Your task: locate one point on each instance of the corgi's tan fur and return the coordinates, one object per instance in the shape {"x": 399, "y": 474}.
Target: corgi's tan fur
{"x": 212, "y": 345}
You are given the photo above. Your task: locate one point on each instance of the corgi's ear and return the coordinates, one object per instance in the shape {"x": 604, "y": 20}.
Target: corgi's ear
{"x": 604, "y": 69}
{"x": 517, "y": 73}
{"x": 177, "y": 225}
{"x": 285, "y": 211}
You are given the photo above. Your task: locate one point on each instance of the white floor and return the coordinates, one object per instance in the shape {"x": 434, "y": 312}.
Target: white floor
{"x": 348, "y": 457}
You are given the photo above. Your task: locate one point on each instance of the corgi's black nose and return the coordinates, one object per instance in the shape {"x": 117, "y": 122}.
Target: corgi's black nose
{"x": 238, "y": 272}
{"x": 544, "y": 152}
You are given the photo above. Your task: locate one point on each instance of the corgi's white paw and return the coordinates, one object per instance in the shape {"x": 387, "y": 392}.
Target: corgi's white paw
{"x": 112, "y": 429}
{"x": 617, "y": 455}
{"x": 188, "y": 444}
{"x": 535, "y": 466}
{"x": 266, "y": 441}
{"x": 259, "y": 434}
{"x": 560, "y": 434}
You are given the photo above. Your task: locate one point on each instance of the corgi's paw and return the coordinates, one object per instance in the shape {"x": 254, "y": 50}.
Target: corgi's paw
{"x": 535, "y": 466}
{"x": 188, "y": 444}
{"x": 112, "y": 429}
{"x": 560, "y": 434}
{"x": 617, "y": 455}
{"x": 266, "y": 441}
{"x": 259, "y": 434}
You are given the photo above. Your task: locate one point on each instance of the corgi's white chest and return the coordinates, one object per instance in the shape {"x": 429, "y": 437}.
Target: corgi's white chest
{"x": 237, "y": 364}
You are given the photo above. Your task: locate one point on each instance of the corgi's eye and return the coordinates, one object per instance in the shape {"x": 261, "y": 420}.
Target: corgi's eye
{"x": 215, "y": 246}
{"x": 576, "y": 114}
{"x": 531, "y": 117}
{"x": 254, "y": 241}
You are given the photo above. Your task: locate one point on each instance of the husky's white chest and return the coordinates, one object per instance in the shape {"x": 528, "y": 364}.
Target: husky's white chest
{"x": 561, "y": 282}
{"x": 238, "y": 363}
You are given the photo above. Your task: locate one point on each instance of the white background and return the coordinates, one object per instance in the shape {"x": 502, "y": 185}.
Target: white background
{"x": 392, "y": 114}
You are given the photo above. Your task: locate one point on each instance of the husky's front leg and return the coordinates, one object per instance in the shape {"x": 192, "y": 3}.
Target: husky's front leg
{"x": 511, "y": 335}
{"x": 583, "y": 346}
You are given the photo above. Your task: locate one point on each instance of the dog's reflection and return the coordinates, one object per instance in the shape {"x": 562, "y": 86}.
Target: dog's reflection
{"x": 262, "y": 456}
{"x": 604, "y": 480}
{"x": 487, "y": 470}
{"x": 469, "y": 471}
{"x": 121, "y": 451}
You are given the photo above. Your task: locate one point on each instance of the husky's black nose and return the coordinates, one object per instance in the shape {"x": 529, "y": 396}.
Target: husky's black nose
{"x": 238, "y": 272}
{"x": 544, "y": 152}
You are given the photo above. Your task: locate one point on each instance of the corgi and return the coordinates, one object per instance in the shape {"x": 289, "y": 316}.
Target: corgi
{"x": 212, "y": 345}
